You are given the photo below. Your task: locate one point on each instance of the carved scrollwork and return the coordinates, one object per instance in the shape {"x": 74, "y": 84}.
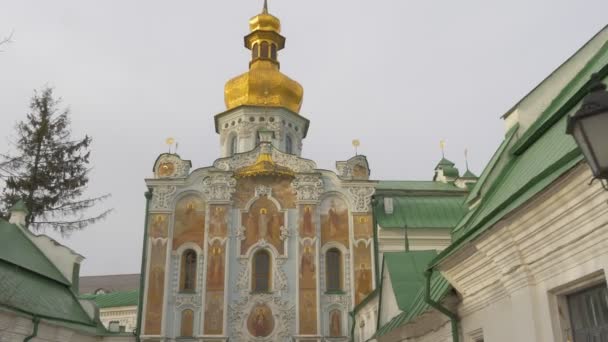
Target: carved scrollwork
{"x": 219, "y": 187}
{"x": 362, "y": 197}
{"x": 162, "y": 197}
{"x": 307, "y": 187}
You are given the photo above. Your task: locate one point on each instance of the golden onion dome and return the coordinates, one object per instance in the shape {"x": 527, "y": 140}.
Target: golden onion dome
{"x": 264, "y": 84}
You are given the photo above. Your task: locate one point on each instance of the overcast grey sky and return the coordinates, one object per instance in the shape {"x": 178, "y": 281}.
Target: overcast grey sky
{"x": 398, "y": 75}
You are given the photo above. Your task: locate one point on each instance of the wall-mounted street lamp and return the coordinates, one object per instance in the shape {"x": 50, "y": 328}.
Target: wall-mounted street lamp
{"x": 589, "y": 128}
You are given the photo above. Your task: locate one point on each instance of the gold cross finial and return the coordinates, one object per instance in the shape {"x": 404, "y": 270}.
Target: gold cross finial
{"x": 442, "y": 147}
{"x": 356, "y": 144}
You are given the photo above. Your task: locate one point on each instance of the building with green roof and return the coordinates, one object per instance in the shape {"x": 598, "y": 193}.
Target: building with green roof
{"x": 528, "y": 251}
{"x": 39, "y": 286}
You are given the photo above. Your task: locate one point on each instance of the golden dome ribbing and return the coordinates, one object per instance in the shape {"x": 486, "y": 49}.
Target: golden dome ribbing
{"x": 264, "y": 84}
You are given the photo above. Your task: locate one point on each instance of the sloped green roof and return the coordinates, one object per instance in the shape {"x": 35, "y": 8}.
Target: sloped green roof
{"x": 26, "y": 291}
{"x": 19, "y": 206}
{"x": 568, "y": 93}
{"x": 409, "y": 286}
{"x": 531, "y": 167}
{"x": 444, "y": 162}
{"x": 421, "y": 212}
{"x": 114, "y": 299}
{"x": 492, "y": 164}
{"x": 416, "y": 186}
{"x": 468, "y": 174}
{"x": 16, "y": 248}
{"x": 406, "y": 271}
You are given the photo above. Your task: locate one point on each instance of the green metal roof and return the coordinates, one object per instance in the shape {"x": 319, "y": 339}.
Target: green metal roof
{"x": 421, "y": 212}
{"x": 406, "y": 271}
{"x": 531, "y": 167}
{"x": 114, "y": 299}
{"x": 26, "y": 291}
{"x": 416, "y": 186}
{"x": 468, "y": 174}
{"x": 444, "y": 162}
{"x": 16, "y": 248}
{"x": 19, "y": 206}
{"x": 407, "y": 278}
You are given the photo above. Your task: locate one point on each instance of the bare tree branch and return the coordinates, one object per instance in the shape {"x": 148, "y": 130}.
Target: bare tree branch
{"x": 6, "y": 40}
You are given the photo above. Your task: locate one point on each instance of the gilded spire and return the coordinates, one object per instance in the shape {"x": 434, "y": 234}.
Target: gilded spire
{"x": 264, "y": 85}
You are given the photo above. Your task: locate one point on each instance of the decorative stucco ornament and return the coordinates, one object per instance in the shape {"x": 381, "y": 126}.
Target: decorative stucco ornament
{"x": 162, "y": 197}
{"x": 362, "y": 197}
{"x": 307, "y": 187}
{"x": 219, "y": 187}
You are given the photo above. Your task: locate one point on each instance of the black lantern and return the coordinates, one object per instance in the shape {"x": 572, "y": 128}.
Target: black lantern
{"x": 589, "y": 127}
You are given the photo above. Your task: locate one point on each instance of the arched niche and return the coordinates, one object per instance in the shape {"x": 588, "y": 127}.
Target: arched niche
{"x": 263, "y": 221}
{"x": 189, "y": 221}
{"x": 334, "y": 220}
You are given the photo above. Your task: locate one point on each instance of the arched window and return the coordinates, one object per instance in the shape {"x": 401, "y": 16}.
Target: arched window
{"x": 255, "y": 51}
{"x": 233, "y": 145}
{"x": 264, "y": 48}
{"x": 188, "y": 271}
{"x": 288, "y": 145}
{"x": 333, "y": 263}
{"x": 261, "y": 271}
{"x": 273, "y": 51}
{"x": 187, "y": 328}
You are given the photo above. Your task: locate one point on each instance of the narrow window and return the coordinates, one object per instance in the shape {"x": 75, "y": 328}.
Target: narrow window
{"x": 333, "y": 260}
{"x": 288, "y": 145}
{"x": 255, "y": 51}
{"x": 273, "y": 52}
{"x": 257, "y": 138}
{"x": 188, "y": 272}
{"x": 264, "y": 48}
{"x": 187, "y": 328}
{"x": 233, "y": 145}
{"x": 261, "y": 271}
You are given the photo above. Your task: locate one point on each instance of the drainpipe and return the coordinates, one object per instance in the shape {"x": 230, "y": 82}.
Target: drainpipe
{"x": 142, "y": 279}
{"x": 451, "y": 315}
{"x": 36, "y": 321}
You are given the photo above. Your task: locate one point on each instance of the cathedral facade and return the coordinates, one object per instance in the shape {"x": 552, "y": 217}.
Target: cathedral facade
{"x": 262, "y": 245}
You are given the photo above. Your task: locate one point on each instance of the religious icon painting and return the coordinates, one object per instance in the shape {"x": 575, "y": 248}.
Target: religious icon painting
{"x": 260, "y": 322}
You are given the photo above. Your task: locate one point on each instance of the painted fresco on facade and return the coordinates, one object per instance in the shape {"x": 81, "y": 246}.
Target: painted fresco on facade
{"x": 362, "y": 226}
{"x": 308, "y": 292}
{"x": 187, "y": 328}
{"x": 156, "y": 277}
{"x": 280, "y": 187}
{"x": 260, "y": 322}
{"x": 189, "y": 221}
{"x": 218, "y": 222}
{"x": 215, "y": 266}
{"x": 335, "y": 323}
{"x": 334, "y": 221}
{"x": 363, "y": 271}
{"x": 307, "y": 225}
{"x": 262, "y": 221}
{"x": 214, "y": 312}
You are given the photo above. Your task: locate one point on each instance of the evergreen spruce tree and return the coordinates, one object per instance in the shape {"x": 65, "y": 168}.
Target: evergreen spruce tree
{"x": 49, "y": 169}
